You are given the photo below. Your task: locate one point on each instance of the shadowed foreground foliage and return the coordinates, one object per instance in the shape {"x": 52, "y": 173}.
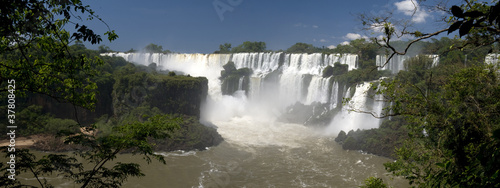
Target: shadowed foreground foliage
{"x": 97, "y": 151}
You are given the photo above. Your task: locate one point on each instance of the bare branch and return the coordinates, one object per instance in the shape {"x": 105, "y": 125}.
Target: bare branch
{"x": 396, "y": 52}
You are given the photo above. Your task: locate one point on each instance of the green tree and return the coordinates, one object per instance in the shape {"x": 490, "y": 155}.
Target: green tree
{"x": 302, "y": 48}
{"x": 36, "y": 56}
{"x": 478, "y": 22}
{"x": 131, "y": 51}
{"x": 224, "y": 49}
{"x": 97, "y": 151}
{"x": 248, "y": 46}
{"x": 366, "y": 51}
{"x": 35, "y": 50}
{"x": 103, "y": 49}
{"x": 153, "y": 48}
{"x": 373, "y": 182}
{"x": 453, "y": 129}
{"x": 451, "y": 110}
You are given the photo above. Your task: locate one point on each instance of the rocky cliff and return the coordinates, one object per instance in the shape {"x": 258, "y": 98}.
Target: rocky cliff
{"x": 134, "y": 93}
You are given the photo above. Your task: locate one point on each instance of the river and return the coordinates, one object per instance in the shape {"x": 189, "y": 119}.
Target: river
{"x": 258, "y": 153}
{"x": 261, "y": 154}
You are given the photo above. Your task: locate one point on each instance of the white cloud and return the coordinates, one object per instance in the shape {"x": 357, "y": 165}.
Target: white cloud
{"x": 412, "y": 8}
{"x": 354, "y": 36}
{"x": 305, "y": 25}
{"x": 323, "y": 40}
{"x": 331, "y": 47}
{"x": 377, "y": 27}
{"x": 299, "y": 25}
{"x": 345, "y": 43}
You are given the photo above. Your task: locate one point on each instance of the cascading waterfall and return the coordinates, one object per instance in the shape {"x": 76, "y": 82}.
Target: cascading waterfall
{"x": 318, "y": 90}
{"x": 359, "y": 112}
{"x": 300, "y": 80}
{"x": 396, "y": 64}
{"x": 240, "y": 83}
{"x": 492, "y": 59}
{"x": 334, "y": 95}
{"x": 435, "y": 59}
{"x": 292, "y": 88}
{"x": 260, "y": 63}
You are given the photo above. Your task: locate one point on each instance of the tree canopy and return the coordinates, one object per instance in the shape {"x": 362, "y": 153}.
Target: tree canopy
{"x": 248, "y": 46}
{"x": 35, "y": 51}
{"x": 301, "y": 48}
{"x": 224, "y": 49}
{"x": 154, "y": 48}
{"x": 451, "y": 110}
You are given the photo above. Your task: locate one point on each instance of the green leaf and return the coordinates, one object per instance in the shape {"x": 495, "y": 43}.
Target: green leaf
{"x": 496, "y": 134}
{"x": 465, "y": 28}
{"x": 454, "y": 26}
{"x": 457, "y": 11}
{"x": 473, "y": 14}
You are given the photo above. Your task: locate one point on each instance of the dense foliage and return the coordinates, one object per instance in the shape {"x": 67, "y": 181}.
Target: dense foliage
{"x": 97, "y": 151}
{"x": 248, "y": 46}
{"x": 35, "y": 51}
{"x": 373, "y": 182}
{"x": 452, "y": 109}
{"x": 139, "y": 95}
{"x": 154, "y": 48}
{"x": 453, "y": 125}
{"x": 302, "y": 48}
{"x": 381, "y": 141}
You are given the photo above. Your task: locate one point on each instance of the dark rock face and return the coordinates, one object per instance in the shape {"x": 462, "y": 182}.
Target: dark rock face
{"x": 234, "y": 79}
{"x": 341, "y": 137}
{"x": 68, "y": 111}
{"x": 315, "y": 114}
{"x": 382, "y": 141}
{"x": 171, "y": 94}
{"x": 191, "y": 135}
{"x": 181, "y": 95}
{"x": 134, "y": 90}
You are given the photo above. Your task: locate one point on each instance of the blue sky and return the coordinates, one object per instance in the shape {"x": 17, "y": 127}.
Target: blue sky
{"x": 197, "y": 26}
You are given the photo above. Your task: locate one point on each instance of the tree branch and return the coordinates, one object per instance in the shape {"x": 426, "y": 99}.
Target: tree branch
{"x": 396, "y": 52}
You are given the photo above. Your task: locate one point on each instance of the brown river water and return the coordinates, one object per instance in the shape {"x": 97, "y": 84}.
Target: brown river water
{"x": 258, "y": 153}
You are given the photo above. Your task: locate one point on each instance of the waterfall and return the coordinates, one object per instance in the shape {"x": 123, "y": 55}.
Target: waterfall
{"x": 492, "y": 59}
{"x": 356, "y": 114}
{"x": 260, "y": 63}
{"x": 334, "y": 98}
{"x": 278, "y": 81}
{"x": 240, "y": 83}
{"x": 396, "y": 64}
{"x": 435, "y": 60}
{"x": 298, "y": 81}
{"x": 318, "y": 90}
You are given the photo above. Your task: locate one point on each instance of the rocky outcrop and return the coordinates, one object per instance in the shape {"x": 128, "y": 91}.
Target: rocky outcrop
{"x": 84, "y": 116}
{"x": 382, "y": 141}
{"x": 315, "y": 114}
{"x": 170, "y": 94}
{"x": 129, "y": 92}
{"x": 234, "y": 79}
{"x": 191, "y": 135}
